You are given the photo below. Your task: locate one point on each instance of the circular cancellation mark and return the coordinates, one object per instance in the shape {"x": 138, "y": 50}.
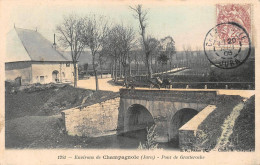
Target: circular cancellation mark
{"x": 227, "y": 45}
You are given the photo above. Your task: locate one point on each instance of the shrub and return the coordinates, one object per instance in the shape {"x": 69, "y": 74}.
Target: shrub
{"x": 150, "y": 143}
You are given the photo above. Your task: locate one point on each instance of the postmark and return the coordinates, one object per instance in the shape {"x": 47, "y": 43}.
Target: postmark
{"x": 227, "y": 45}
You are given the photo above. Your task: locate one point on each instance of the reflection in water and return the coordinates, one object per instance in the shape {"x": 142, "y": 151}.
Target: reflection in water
{"x": 129, "y": 140}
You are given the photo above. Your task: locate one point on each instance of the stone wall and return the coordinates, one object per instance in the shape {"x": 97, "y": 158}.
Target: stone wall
{"x": 45, "y": 69}
{"x": 95, "y": 120}
{"x": 18, "y": 69}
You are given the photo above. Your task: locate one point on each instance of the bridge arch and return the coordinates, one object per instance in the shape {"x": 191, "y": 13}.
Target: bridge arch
{"x": 138, "y": 117}
{"x": 180, "y": 118}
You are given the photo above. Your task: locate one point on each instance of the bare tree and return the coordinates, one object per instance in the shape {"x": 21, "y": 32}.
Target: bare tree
{"x": 120, "y": 41}
{"x": 69, "y": 36}
{"x": 126, "y": 40}
{"x": 102, "y": 58}
{"x": 109, "y": 46}
{"x": 141, "y": 15}
{"x": 95, "y": 30}
{"x": 187, "y": 52}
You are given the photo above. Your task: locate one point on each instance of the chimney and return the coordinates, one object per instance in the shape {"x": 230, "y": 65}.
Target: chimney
{"x": 54, "y": 43}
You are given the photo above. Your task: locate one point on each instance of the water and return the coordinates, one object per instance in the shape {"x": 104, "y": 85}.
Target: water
{"x": 130, "y": 140}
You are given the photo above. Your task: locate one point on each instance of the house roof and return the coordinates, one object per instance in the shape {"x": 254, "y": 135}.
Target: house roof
{"x": 29, "y": 45}
{"x": 85, "y": 57}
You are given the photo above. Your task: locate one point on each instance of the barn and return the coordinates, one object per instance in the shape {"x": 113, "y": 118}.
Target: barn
{"x": 31, "y": 58}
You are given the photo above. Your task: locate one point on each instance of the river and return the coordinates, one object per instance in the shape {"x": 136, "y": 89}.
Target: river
{"x": 130, "y": 140}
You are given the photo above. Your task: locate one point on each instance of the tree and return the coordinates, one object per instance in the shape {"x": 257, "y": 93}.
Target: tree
{"x": 163, "y": 58}
{"x": 168, "y": 45}
{"x": 110, "y": 44}
{"x": 187, "y": 52}
{"x": 69, "y": 36}
{"x": 118, "y": 44}
{"x": 126, "y": 41}
{"x": 102, "y": 59}
{"x": 95, "y": 30}
{"x": 153, "y": 45}
{"x": 141, "y": 15}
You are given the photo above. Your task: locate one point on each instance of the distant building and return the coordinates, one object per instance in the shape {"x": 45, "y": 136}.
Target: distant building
{"x": 30, "y": 58}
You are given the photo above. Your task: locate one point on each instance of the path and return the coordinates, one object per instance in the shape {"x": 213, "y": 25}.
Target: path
{"x": 227, "y": 127}
{"x": 106, "y": 84}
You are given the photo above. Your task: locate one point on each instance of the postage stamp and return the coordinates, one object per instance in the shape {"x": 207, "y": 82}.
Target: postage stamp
{"x": 238, "y": 13}
{"x": 228, "y": 44}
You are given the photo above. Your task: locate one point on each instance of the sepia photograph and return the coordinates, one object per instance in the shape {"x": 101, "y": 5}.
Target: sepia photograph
{"x": 132, "y": 77}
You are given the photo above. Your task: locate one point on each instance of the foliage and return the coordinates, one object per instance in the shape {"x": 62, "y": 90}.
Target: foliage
{"x": 162, "y": 58}
{"x": 150, "y": 143}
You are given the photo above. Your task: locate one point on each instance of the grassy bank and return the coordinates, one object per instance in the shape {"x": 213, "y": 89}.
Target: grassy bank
{"x": 211, "y": 126}
{"x": 243, "y": 137}
{"x": 50, "y": 99}
{"x": 32, "y": 114}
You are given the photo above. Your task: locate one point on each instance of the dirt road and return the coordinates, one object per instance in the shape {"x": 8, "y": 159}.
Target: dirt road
{"x": 107, "y": 84}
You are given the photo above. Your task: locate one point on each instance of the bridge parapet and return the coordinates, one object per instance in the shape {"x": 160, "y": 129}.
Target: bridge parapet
{"x": 207, "y": 97}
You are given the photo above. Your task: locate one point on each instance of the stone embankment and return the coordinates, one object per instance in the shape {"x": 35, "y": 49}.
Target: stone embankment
{"x": 92, "y": 120}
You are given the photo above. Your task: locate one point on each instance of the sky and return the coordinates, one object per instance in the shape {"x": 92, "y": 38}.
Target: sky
{"x": 187, "y": 24}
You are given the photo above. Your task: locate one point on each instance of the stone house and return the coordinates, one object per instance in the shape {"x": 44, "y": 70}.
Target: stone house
{"x": 30, "y": 58}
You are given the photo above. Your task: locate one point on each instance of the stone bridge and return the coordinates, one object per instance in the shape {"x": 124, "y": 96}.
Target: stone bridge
{"x": 168, "y": 109}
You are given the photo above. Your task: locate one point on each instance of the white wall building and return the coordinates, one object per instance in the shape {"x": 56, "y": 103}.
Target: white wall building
{"x": 30, "y": 58}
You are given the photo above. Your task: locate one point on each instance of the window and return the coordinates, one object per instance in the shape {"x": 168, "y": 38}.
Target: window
{"x": 41, "y": 79}
{"x": 68, "y": 64}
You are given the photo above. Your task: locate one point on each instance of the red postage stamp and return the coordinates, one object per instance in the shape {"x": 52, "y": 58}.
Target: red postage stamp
{"x": 235, "y": 13}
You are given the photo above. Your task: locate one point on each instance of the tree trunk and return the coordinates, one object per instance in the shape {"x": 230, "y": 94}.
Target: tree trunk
{"x": 151, "y": 62}
{"x": 101, "y": 71}
{"x": 95, "y": 72}
{"x": 120, "y": 67}
{"x": 115, "y": 70}
{"x": 149, "y": 68}
{"x": 75, "y": 74}
{"x": 125, "y": 77}
{"x": 129, "y": 62}
{"x": 170, "y": 64}
{"x": 156, "y": 66}
{"x": 130, "y": 70}
{"x": 138, "y": 69}
{"x": 111, "y": 69}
